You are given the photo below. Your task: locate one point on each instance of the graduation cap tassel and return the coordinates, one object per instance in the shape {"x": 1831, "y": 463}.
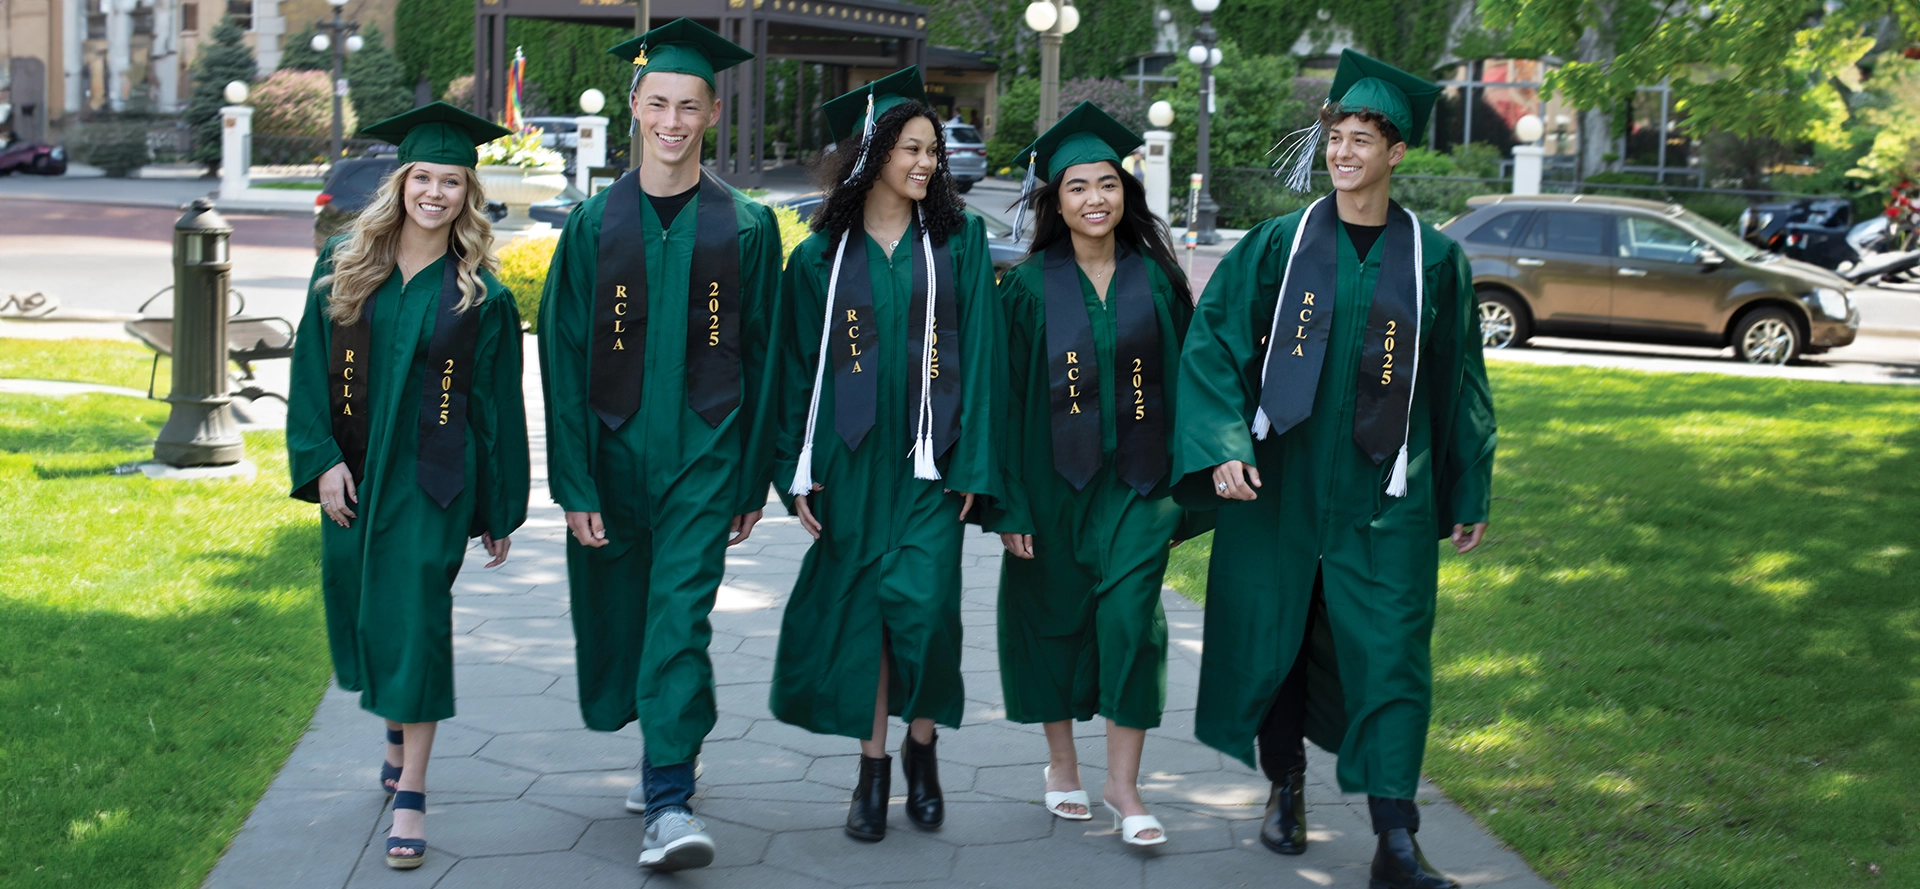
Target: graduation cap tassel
{"x": 803, "y": 471}
{"x": 866, "y": 137}
{"x": 1026, "y": 190}
{"x": 923, "y": 467}
{"x": 1297, "y": 151}
{"x": 1397, "y": 482}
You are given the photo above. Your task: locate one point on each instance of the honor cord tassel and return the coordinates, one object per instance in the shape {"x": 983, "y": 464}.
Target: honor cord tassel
{"x": 1026, "y": 189}
{"x": 866, "y": 138}
{"x": 1397, "y": 482}
{"x": 1297, "y": 150}
{"x": 923, "y": 467}
{"x": 803, "y": 471}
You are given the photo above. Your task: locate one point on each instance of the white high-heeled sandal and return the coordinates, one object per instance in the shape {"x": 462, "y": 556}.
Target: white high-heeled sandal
{"x": 1132, "y": 826}
{"x": 1057, "y": 798}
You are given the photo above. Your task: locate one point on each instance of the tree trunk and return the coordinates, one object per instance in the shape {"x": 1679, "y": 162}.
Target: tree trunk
{"x": 1596, "y": 124}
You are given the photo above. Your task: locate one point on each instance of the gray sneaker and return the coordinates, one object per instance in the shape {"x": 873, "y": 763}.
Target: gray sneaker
{"x": 676, "y": 841}
{"x": 637, "y": 798}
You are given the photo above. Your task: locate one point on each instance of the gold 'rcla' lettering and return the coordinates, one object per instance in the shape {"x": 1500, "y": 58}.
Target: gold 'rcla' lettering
{"x": 619, "y": 291}
{"x": 346, "y": 410}
{"x": 856, "y": 367}
{"x": 619, "y": 346}
{"x": 1073, "y": 373}
{"x": 619, "y": 326}
{"x": 349, "y": 356}
{"x": 1300, "y": 334}
{"x": 346, "y": 373}
{"x": 1306, "y": 315}
{"x": 1296, "y": 350}
{"x": 1073, "y": 358}
{"x": 853, "y": 333}
{"x": 346, "y": 391}
{"x": 1073, "y": 391}
{"x": 1074, "y": 409}
{"x": 1309, "y": 299}
{"x": 852, "y": 316}
{"x": 619, "y": 308}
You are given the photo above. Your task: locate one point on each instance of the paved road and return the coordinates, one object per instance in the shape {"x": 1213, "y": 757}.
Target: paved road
{"x": 521, "y": 795}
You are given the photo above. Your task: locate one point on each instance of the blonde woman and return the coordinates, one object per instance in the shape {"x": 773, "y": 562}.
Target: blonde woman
{"x": 405, "y": 423}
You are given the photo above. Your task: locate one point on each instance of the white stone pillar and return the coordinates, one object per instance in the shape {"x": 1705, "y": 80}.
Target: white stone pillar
{"x": 166, "y": 57}
{"x": 236, "y": 150}
{"x": 1159, "y": 168}
{"x": 1528, "y": 161}
{"x": 119, "y": 51}
{"x": 590, "y": 151}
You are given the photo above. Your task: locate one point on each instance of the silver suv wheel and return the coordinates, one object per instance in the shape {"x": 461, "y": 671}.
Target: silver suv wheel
{"x": 1497, "y": 324}
{"x": 1768, "y": 337}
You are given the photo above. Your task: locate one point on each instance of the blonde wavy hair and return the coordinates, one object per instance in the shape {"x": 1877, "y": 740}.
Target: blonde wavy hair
{"x": 366, "y": 258}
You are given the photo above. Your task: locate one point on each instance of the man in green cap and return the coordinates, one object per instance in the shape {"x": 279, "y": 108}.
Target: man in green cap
{"x": 1337, "y": 349}
{"x": 654, "y": 334}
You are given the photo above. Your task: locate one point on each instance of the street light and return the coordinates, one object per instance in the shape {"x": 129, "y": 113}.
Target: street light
{"x": 1206, "y": 55}
{"x": 1160, "y": 114}
{"x": 338, "y": 35}
{"x": 1054, "y": 19}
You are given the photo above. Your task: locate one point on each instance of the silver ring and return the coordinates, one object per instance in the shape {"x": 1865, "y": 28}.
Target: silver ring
{"x": 1220, "y": 486}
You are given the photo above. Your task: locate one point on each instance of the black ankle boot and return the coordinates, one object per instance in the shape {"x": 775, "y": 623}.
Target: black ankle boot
{"x": 867, "y": 817}
{"x": 1285, "y": 828}
{"x": 1398, "y": 864}
{"x": 926, "y": 808}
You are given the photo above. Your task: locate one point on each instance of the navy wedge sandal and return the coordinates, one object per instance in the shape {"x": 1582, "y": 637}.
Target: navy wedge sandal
{"x": 390, "y": 773}
{"x": 407, "y": 799}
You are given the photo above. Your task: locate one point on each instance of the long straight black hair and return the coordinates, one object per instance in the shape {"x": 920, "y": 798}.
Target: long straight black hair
{"x": 1139, "y": 228}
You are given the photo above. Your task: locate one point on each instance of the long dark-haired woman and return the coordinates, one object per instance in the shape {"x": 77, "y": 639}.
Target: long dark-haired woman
{"x": 405, "y": 422}
{"x": 890, "y": 353}
{"x": 1095, "y": 317}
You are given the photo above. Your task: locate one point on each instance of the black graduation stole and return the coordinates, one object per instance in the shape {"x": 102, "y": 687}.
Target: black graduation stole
{"x": 1303, "y": 317}
{"x": 855, "y": 339}
{"x": 620, "y": 306}
{"x": 441, "y": 464}
{"x": 1074, "y": 378}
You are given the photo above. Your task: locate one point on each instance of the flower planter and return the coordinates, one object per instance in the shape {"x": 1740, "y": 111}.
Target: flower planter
{"x": 519, "y": 188}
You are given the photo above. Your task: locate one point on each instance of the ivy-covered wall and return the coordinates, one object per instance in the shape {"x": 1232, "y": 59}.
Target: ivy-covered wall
{"x": 434, "y": 38}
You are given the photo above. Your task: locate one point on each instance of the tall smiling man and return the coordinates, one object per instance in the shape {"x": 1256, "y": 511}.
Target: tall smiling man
{"x": 1334, "y": 408}
{"x": 653, "y": 348}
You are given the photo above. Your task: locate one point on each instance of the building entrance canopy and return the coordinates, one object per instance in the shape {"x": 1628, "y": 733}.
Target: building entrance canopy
{"x": 864, "y": 33}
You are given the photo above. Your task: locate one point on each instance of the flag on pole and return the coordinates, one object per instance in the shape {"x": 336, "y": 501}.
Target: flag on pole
{"x": 516, "y": 84}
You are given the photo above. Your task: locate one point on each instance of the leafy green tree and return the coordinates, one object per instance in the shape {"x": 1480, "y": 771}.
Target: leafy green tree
{"x": 1255, "y": 108}
{"x": 225, "y": 60}
{"x": 1749, "y": 68}
{"x": 297, "y": 52}
{"x": 1019, "y": 108}
{"x": 376, "y": 79}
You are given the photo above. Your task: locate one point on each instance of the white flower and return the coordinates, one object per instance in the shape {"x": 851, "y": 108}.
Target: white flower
{"x": 521, "y": 150}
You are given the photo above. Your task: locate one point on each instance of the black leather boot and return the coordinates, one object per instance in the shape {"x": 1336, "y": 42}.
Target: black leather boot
{"x": 867, "y": 817}
{"x": 926, "y": 808}
{"x": 1398, "y": 864}
{"x": 1285, "y": 828}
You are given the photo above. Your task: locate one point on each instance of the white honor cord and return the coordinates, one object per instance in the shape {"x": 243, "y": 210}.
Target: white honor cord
{"x": 1260, "y": 422}
{"x": 923, "y": 467}
{"x": 1397, "y": 482}
{"x": 803, "y": 471}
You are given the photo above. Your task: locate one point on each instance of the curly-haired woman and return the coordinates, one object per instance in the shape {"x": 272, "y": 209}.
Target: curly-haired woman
{"x": 891, "y": 351}
{"x": 405, "y": 422}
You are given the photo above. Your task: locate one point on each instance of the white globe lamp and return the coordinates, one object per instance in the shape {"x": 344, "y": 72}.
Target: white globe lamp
{"x": 321, "y": 43}
{"x": 1197, "y": 54}
{"x": 1213, "y": 57}
{"x": 236, "y": 93}
{"x": 1160, "y": 114}
{"x": 354, "y": 42}
{"x": 1041, "y": 15}
{"x": 1529, "y": 129}
{"x": 592, "y": 101}
{"x": 1205, "y": 6}
{"x": 1069, "y": 19}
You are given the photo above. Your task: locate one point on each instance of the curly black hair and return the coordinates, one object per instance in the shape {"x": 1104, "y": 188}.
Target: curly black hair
{"x": 944, "y": 210}
{"x": 1139, "y": 228}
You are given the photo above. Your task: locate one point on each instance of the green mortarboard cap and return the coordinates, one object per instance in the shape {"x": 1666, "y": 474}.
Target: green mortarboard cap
{"x": 1364, "y": 84}
{"x": 847, "y": 114}
{"x": 681, "y": 46}
{"x": 1087, "y": 134}
{"x": 438, "y": 133}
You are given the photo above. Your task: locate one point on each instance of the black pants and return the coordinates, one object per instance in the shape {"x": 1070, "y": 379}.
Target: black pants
{"x": 1283, "y": 734}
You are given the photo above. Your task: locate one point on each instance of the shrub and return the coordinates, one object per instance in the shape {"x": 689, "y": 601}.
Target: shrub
{"x": 523, "y": 269}
{"x": 118, "y": 147}
{"x": 1426, "y": 162}
{"x": 459, "y": 92}
{"x": 793, "y": 230}
{"x": 1019, "y": 106}
{"x": 379, "y": 87}
{"x": 297, "y": 52}
{"x": 223, "y": 61}
{"x": 298, "y": 103}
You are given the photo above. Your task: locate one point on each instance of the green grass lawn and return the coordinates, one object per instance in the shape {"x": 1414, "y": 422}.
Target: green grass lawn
{"x": 106, "y": 362}
{"x": 161, "y": 645}
{"x": 1689, "y": 655}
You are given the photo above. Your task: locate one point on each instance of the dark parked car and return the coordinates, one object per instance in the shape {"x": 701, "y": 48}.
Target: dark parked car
{"x": 1624, "y": 269}
{"x": 1809, "y": 229}
{"x": 38, "y": 158}
{"x": 1006, "y": 249}
{"x": 349, "y": 188}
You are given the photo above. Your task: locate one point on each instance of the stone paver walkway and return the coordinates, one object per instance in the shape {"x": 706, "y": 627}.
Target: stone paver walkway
{"x": 520, "y": 795}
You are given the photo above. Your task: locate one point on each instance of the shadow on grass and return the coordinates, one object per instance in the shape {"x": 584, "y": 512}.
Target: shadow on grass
{"x": 138, "y": 733}
{"x": 78, "y": 435}
{"x": 1689, "y": 654}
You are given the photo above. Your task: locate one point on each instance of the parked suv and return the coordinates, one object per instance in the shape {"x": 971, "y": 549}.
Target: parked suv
{"x": 1641, "y": 271}
{"x": 966, "y": 155}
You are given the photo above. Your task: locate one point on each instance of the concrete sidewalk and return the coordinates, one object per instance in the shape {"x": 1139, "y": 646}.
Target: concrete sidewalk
{"x": 520, "y": 795}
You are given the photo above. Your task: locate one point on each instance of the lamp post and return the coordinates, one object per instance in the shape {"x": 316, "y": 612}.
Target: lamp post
{"x": 338, "y": 35}
{"x": 1207, "y": 56}
{"x": 1054, "y": 19}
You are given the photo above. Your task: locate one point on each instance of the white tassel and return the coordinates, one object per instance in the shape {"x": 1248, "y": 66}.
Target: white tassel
{"x": 1297, "y": 151}
{"x": 803, "y": 473}
{"x": 1026, "y": 190}
{"x": 866, "y": 136}
{"x": 1261, "y": 423}
{"x": 1397, "y": 483}
{"x": 923, "y": 467}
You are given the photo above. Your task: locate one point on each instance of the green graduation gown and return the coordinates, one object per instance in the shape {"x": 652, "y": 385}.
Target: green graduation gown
{"x": 888, "y": 558}
{"x": 666, "y": 484}
{"x": 1323, "y": 509}
{"x": 387, "y": 579}
{"x": 1081, "y": 626}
